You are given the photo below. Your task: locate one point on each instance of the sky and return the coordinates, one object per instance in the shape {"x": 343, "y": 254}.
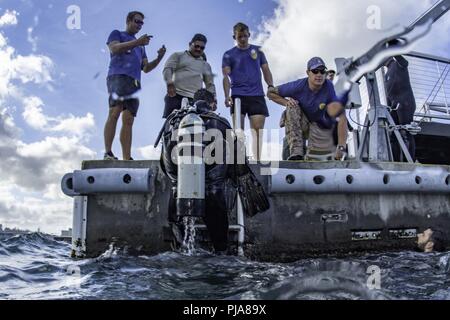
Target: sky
{"x": 53, "y": 98}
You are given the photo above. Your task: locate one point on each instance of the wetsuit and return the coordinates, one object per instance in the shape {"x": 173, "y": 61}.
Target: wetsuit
{"x": 216, "y": 211}
{"x": 399, "y": 94}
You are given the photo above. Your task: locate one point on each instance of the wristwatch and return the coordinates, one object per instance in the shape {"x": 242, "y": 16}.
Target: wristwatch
{"x": 341, "y": 148}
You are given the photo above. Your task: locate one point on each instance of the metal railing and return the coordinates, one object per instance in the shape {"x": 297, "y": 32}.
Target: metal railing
{"x": 430, "y": 80}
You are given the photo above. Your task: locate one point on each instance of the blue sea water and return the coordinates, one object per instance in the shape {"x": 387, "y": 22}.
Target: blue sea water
{"x": 35, "y": 266}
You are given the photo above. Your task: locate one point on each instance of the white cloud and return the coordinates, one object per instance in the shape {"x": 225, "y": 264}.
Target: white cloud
{"x": 38, "y": 164}
{"x": 35, "y": 118}
{"x": 149, "y": 152}
{"x": 30, "y": 211}
{"x": 9, "y": 18}
{"x": 36, "y": 69}
{"x": 8, "y": 128}
{"x": 2, "y": 41}
{"x": 302, "y": 29}
{"x": 32, "y": 68}
{"x": 79, "y": 126}
{"x": 30, "y": 176}
{"x": 32, "y": 113}
{"x": 30, "y": 172}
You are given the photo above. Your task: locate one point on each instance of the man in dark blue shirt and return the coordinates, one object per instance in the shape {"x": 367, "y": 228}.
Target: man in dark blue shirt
{"x": 241, "y": 68}
{"x": 312, "y": 111}
{"x": 128, "y": 59}
{"x": 400, "y": 98}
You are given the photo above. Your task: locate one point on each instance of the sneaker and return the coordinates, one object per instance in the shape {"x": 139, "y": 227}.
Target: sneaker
{"x": 109, "y": 156}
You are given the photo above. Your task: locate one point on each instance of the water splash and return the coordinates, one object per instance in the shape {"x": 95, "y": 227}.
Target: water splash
{"x": 188, "y": 246}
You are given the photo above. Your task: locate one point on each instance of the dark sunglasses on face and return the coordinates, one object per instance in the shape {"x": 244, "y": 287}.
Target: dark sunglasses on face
{"x": 199, "y": 47}
{"x": 140, "y": 22}
{"x": 316, "y": 71}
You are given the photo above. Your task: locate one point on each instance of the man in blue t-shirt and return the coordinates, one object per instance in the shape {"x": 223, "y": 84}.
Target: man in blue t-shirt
{"x": 128, "y": 59}
{"x": 312, "y": 111}
{"x": 241, "y": 68}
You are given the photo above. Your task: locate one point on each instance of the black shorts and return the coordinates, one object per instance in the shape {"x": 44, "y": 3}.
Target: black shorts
{"x": 252, "y": 106}
{"x": 120, "y": 88}
{"x": 173, "y": 103}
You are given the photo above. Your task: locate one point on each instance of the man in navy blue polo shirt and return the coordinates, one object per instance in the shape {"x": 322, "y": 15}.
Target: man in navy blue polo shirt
{"x": 241, "y": 68}
{"x": 312, "y": 111}
{"x": 128, "y": 59}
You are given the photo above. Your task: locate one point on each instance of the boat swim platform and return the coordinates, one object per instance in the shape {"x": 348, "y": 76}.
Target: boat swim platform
{"x": 317, "y": 208}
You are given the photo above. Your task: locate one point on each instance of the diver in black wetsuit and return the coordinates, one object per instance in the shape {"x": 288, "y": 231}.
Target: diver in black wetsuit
{"x": 216, "y": 211}
{"x": 400, "y": 96}
{"x": 217, "y": 175}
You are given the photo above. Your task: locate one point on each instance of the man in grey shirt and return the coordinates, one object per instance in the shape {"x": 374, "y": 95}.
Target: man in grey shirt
{"x": 185, "y": 72}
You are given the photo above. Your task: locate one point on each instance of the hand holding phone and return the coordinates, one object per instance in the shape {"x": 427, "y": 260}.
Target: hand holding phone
{"x": 144, "y": 40}
{"x": 161, "y": 52}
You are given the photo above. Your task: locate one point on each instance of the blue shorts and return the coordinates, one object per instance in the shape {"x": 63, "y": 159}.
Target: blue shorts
{"x": 121, "y": 88}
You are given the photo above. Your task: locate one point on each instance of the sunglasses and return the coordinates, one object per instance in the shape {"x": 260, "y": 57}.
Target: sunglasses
{"x": 199, "y": 47}
{"x": 316, "y": 71}
{"x": 140, "y": 22}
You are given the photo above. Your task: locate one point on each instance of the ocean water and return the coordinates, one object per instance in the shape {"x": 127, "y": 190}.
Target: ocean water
{"x": 35, "y": 266}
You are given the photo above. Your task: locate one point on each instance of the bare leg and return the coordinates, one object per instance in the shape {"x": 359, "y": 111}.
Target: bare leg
{"x": 110, "y": 126}
{"x": 257, "y": 126}
{"x": 242, "y": 121}
{"x": 126, "y": 134}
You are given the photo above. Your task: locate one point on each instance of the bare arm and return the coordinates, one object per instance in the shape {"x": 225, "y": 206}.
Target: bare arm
{"x": 342, "y": 130}
{"x": 208, "y": 78}
{"x": 149, "y": 66}
{"x": 334, "y": 108}
{"x": 169, "y": 69}
{"x": 273, "y": 95}
{"x": 226, "y": 86}
{"x": 267, "y": 74}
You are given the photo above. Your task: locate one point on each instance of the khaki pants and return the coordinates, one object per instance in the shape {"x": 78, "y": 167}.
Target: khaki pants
{"x": 298, "y": 129}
